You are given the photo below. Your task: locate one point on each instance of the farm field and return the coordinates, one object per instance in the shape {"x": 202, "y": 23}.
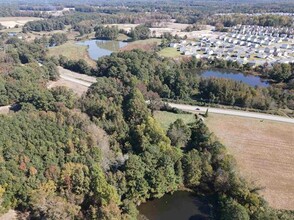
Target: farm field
{"x": 72, "y": 51}
{"x": 10, "y": 22}
{"x": 264, "y": 151}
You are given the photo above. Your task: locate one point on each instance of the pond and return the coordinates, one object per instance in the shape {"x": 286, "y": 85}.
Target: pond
{"x": 99, "y": 48}
{"x": 248, "y": 79}
{"x": 180, "y": 205}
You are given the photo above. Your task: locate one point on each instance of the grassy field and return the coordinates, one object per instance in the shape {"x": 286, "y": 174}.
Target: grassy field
{"x": 146, "y": 45}
{"x": 15, "y": 30}
{"x": 122, "y": 37}
{"x": 264, "y": 151}
{"x": 169, "y": 52}
{"x": 71, "y": 35}
{"x": 166, "y": 118}
{"x": 72, "y": 51}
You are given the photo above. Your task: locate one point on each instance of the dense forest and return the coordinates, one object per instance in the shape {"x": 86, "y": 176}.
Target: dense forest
{"x": 173, "y": 80}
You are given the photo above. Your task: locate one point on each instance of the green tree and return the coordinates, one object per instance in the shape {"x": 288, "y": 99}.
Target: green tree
{"x": 192, "y": 168}
{"x": 179, "y": 133}
{"x": 136, "y": 110}
{"x": 232, "y": 210}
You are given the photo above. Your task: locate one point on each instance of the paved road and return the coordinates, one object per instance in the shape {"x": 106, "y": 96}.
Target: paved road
{"x": 75, "y": 77}
{"x": 78, "y": 81}
{"x": 232, "y": 112}
{"x": 88, "y": 80}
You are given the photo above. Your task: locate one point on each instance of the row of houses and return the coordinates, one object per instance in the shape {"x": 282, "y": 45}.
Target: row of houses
{"x": 254, "y": 30}
{"x": 235, "y": 50}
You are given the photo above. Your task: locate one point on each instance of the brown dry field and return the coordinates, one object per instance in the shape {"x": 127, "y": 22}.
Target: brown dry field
{"x": 10, "y": 22}
{"x": 264, "y": 151}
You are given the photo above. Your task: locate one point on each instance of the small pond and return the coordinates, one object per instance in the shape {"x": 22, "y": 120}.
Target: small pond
{"x": 248, "y": 79}
{"x": 180, "y": 205}
{"x": 99, "y": 48}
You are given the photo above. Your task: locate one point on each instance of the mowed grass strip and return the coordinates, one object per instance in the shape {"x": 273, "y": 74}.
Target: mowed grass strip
{"x": 169, "y": 52}
{"x": 264, "y": 151}
{"x": 166, "y": 118}
{"x": 72, "y": 51}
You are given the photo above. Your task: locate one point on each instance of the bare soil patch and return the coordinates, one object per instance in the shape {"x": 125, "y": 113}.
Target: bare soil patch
{"x": 4, "y": 110}
{"x": 10, "y": 215}
{"x": 264, "y": 151}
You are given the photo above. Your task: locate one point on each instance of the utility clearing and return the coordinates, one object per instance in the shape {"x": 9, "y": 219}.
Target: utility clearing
{"x": 79, "y": 83}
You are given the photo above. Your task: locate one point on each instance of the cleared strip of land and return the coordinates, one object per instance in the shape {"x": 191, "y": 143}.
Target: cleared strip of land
{"x": 79, "y": 83}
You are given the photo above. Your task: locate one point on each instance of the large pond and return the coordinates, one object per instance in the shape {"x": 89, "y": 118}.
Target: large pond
{"x": 180, "y": 205}
{"x": 100, "y": 48}
{"x": 248, "y": 79}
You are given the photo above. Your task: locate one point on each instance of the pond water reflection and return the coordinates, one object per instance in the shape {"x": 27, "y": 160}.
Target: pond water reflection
{"x": 248, "y": 79}
{"x": 180, "y": 205}
{"x": 99, "y": 48}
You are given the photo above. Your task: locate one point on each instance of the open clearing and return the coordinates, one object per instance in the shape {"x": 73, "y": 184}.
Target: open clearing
{"x": 4, "y": 109}
{"x": 72, "y": 51}
{"x": 10, "y": 22}
{"x": 10, "y": 215}
{"x": 264, "y": 151}
{"x": 71, "y": 34}
{"x": 166, "y": 118}
{"x": 169, "y": 52}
